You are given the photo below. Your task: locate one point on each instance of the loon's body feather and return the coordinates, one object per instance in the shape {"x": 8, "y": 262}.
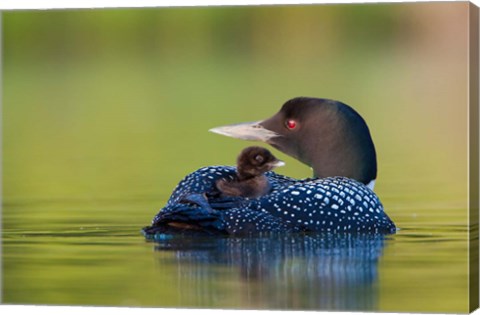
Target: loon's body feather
{"x": 334, "y": 205}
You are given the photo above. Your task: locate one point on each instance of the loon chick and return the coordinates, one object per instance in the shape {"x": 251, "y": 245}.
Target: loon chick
{"x": 250, "y": 182}
{"x": 327, "y": 135}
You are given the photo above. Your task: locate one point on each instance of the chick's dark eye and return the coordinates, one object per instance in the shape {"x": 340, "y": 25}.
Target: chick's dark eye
{"x": 291, "y": 124}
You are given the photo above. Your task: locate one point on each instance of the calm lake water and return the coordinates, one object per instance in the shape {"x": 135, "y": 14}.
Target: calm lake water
{"x": 105, "y": 111}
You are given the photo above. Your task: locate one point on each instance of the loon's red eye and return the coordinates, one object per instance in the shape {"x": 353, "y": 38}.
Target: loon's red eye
{"x": 291, "y": 124}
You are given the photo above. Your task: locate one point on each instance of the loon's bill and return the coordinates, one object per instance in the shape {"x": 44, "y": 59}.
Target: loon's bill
{"x": 251, "y": 131}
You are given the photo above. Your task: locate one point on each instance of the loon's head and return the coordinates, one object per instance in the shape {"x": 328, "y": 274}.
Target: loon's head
{"x": 327, "y": 135}
{"x": 254, "y": 161}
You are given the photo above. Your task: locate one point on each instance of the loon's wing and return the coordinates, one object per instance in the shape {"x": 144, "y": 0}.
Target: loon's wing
{"x": 186, "y": 210}
{"x": 201, "y": 181}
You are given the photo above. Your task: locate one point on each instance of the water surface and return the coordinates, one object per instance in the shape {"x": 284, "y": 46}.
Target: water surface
{"x": 103, "y": 264}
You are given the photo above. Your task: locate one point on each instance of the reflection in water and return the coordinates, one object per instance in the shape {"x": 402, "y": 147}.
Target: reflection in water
{"x": 292, "y": 272}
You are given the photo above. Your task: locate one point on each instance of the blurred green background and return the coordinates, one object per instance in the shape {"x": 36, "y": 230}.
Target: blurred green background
{"x": 104, "y": 111}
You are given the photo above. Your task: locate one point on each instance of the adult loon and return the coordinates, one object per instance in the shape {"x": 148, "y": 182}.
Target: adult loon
{"x": 250, "y": 181}
{"x": 327, "y": 135}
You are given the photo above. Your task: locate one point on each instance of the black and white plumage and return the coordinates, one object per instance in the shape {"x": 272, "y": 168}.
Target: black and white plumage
{"x": 327, "y": 135}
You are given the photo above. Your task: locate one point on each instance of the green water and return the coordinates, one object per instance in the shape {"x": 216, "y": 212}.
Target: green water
{"x": 102, "y": 119}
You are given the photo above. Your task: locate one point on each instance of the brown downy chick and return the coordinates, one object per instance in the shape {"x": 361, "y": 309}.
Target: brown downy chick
{"x": 251, "y": 182}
